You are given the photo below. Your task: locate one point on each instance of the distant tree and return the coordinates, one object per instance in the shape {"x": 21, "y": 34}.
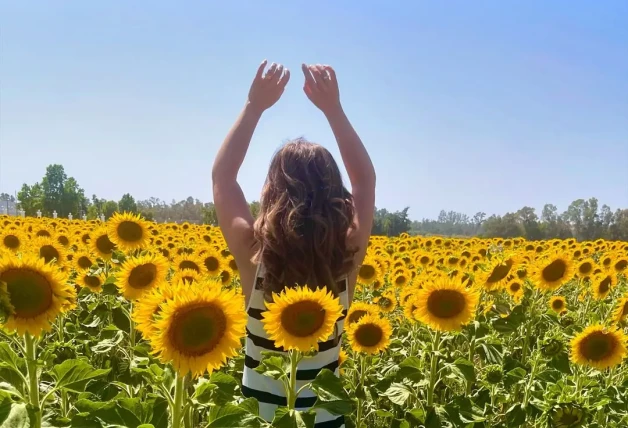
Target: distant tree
{"x": 618, "y": 230}
{"x": 127, "y": 204}
{"x": 109, "y": 208}
{"x": 254, "y": 207}
{"x": 530, "y": 222}
{"x": 507, "y": 226}
{"x": 31, "y": 198}
{"x": 53, "y": 187}
{"x": 209, "y": 214}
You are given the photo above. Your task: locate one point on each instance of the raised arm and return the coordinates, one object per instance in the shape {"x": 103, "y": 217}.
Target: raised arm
{"x": 321, "y": 87}
{"x": 234, "y": 217}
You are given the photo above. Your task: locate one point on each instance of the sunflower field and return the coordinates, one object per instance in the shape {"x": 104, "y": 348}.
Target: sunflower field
{"x": 130, "y": 323}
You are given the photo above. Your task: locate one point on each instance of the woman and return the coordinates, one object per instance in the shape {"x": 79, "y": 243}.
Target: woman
{"x": 310, "y": 229}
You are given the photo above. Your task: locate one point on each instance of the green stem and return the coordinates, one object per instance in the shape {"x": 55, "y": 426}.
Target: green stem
{"x": 132, "y": 340}
{"x": 433, "y": 370}
{"x": 33, "y": 389}
{"x": 471, "y": 356}
{"x": 64, "y": 403}
{"x": 360, "y": 412}
{"x": 291, "y": 393}
{"x": 178, "y": 401}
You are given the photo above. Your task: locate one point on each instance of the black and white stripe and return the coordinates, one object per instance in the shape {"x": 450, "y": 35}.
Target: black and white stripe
{"x": 269, "y": 392}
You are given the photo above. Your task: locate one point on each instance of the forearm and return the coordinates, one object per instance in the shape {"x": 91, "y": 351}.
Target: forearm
{"x": 354, "y": 155}
{"x": 233, "y": 150}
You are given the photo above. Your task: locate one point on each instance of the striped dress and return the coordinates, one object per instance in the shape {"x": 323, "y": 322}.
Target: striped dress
{"x": 269, "y": 392}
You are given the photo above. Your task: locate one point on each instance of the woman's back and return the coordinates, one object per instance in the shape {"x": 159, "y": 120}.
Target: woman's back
{"x": 269, "y": 392}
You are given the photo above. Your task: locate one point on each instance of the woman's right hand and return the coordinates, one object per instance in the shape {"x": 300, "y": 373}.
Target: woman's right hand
{"x": 266, "y": 89}
{"x": 321, "y": 87}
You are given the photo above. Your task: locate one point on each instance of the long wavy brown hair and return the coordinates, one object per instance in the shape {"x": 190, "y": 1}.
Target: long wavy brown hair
{"x": 305, "y": 216}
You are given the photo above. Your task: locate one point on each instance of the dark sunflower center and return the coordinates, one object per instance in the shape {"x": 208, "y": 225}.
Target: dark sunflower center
{"x": 499, "y": 272}
{"x": 446, "y": 303}
{"x": 30, "y": 293}
{"x": 48, "y": 253}
{"x": 225, "y": 277}
{"x": 197, "y": 330}
{"x": 515, "y": 286}
{"x": 91, "y": 281}
{"x": 522, "y": 273}
{"x": 558, "y": 305}
{"x": 302, "y": 319}
{"x": 355, "y": 316}
{"x": 85, "y": 238}
{"x": 130, "y": 231}
{"x": 585, "y": 268}
{"x": 188, "y": 279}
{"x": 554, "y": 271}
{"x": 607, "y": 262}
{"x": 84, "y": 262}
{"x": 424, "y": 260}
{"x": 142, "y": 276}
{"x": 597, "y": 346}
{"x": 63, "y": 240}
{"x": 43, "y": 233}
{"x": 400, "y": 280}
{"x": 104, "y": 245}
{"x": 188, "y": 264}
{"x": 367, "y": 271}
{"x": 621, "y": 265}
{"x": 568, "y": 418}
{"x": 212, "y": 263}
{"x": 624, "y": 311}
{"x": 453, "y": 260}
{"x": 605, "y": 284}
{"x": 385, "y": 302}
{"x": 368, "y": 335}
{"x": 11, "y": 241}
{"x": 233, "y": 265}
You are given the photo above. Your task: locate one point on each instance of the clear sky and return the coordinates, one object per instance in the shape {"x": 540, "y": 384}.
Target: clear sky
{"x": 467, "y": 106}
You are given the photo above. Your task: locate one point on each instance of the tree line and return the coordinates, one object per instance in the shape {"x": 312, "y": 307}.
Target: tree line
{"x": 583, "y": 219}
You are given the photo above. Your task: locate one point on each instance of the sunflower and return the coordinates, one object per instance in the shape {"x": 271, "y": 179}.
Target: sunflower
{"x": 369, "y": 271}
{"x": 187, "y": 276}
{"x": 553, "y": 271}
{"x": 387, "y": 302}
{"x": 558, "y": 304}
{"x": 446, "y": 304}
{"x": 190, "y": 261}
{"x": 360, "y": 309}
{"x": 409, "y": 308}
{"x": 199, "y": 329}
{"x": 35, "y": 294}
{"x": 93, "y": 282}
{"x": 299, "y": 318}
{"x": 100, "y": 244}
{"x": 515, "y": 289}
{"x": 226, "y": 276}
{"x": 212, "y": 260}
{"x": 137, "y": 275}
{"x": 49, "y": 250}
{"x": 568, "y": 416}
{"x": 83, "y": 261}
{"x": 621, "y": 309}
{"x": 128, "y": 231}
{"x": 147, "y": 310}
{"x": 370, "y": 335}
{"x": 585, "y": 267}
{"x": 598, "y": 347}
{"x": 11, "y": 240}
{"x": 620, "y": 264}
{"x": 601, "y": 285}
{"x": 401, "y": 277}
{"x": 497, "y": 274}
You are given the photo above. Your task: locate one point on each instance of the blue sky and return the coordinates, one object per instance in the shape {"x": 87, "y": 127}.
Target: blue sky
{"x": 465, "y": 106}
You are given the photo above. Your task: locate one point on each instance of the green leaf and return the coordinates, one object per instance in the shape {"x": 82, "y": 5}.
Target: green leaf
{"x": 73, "y": 375}
{"x": 160, "y": 413}
{"x": 5, "y": 406}
{"x": 225, "y": 390}
{"x": 18, "y": 417}
{"x": 398, "y": 393}
{"x": 107, "y": 345}
{"x": 465, "y": 369}
{"x": 251, "y": 405}
{"x": 331, "y": 395}
{"x": 515, "y": 416}
{"x": 383, "y": 414}
{"x": 411, "y": 368}
{"x": 285, "y": 418}
{"x": 203, "y": 391}
{"x": 273, "y": 365}
{"x": 231, "y": 415}
{"x": 514, "y": 376}
{"x": 415, "y": 416}
{"x": 9, "y": 359}
{"x": 146, "y": 426}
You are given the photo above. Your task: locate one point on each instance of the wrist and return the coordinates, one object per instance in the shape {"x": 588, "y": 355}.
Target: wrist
{"x": 334, "y": 111}
{"x": 253, "y": 109}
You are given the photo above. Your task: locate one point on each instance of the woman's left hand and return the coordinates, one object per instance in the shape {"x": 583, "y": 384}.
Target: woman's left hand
{"x": 267, "y": 88}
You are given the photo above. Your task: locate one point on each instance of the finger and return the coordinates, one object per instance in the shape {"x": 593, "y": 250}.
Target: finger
{"x": 332, "y": 73}
{"x": 323, "y": 80}
{"x": 260, "y": 70}
{"x": 271, "y": 72}
{"x": 318, "y": 78}
{"x": 309, "y": 79}
{"x": 285, "y": 79}
{"x": 277, "y": 74}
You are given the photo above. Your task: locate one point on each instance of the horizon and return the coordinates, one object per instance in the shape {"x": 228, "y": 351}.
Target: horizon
{"x": 474, "y": 108}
